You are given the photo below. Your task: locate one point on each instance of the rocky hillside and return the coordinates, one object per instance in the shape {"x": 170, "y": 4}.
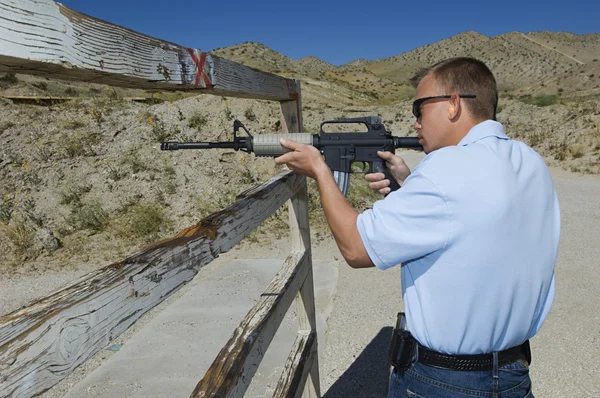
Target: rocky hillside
{"x": 517, "y": 59}
{"x": 82, "y": 182}
{"x": 534, "y": 63}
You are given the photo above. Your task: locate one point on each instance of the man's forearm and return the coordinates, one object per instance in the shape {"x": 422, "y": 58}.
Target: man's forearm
{"x": 342, "y": 221}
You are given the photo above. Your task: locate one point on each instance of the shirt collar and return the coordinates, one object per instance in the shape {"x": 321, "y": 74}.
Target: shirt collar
{"x": 488, "y": 128}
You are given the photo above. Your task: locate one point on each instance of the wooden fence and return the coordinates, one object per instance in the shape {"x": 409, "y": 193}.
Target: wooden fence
{"x": 46, "y": 340}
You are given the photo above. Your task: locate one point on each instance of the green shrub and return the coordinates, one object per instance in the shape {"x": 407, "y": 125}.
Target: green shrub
{"x": 41, "y": 85}
{"x": 89, "y": 216}
{"x": 9, "y": 78}
{"x": 160, "y": 131}
{"x": 539, "y": 100}
{"x": 197, "y": 120}
{"x": 142, "y": 221}
{"x": 74, "y": 194}
{"x": 249, "y": 114}
{"x": 77, "y": 144}
{"x": 71, "y": 92}
{"x": 228, "y": 114}
{"x": 6, "y": 208}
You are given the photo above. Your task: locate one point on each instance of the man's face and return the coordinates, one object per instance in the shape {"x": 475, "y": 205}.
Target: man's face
{"x": 433, "y": 123}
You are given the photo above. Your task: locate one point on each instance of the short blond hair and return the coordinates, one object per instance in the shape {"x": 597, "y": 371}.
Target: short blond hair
{"x": 466, "y": 75}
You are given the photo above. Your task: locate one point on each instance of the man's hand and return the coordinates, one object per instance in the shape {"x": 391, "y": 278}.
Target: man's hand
{"x": 398, "y": 168}
{"x": 305, "y": 159}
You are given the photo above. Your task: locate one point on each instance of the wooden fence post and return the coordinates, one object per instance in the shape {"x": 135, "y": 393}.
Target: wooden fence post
{"x": 300, "y": 241}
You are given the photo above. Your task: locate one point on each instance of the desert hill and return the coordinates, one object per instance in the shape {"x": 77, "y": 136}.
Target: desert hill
{"x": 524, "y": 63}
{"x": 517, "y": 59}
{"x": 82, "y": 182}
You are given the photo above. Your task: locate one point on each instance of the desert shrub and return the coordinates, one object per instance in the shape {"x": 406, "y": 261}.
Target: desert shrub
{"x": 89, "y": 216}
{"x": 539, "y": 100}
{"x": 6, "y": 208}
{"x": 142, "y": 221}
{"x": 160, "y": 131}
{"x": 41, "y": 85}
{"x": 77, "y": 144}
{"x": 114, "y": 95}
{"x": 131, "y": 158}
{"x": 534, "y": 139}
{"x": 43, "y": 152}
{"x": 197, "y": 120}
{"x": 169, "y": 170}
{"x": 561, "y": 151}
{"x": 249, "y": 114}
{"x": 20, "y": 236}
{"x": 74, "y": 194}
{"x": 73, "y": 124}
{"x": 9, "y": 79}
{"x": 115, "y": 173}
{"x": 70, "y": 91}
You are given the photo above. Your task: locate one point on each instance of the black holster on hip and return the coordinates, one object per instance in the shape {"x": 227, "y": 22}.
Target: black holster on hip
{"x": 403, "y": 345}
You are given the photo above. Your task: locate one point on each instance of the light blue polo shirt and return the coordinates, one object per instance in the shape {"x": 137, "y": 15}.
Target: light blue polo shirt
{"x": 476, "y": 228}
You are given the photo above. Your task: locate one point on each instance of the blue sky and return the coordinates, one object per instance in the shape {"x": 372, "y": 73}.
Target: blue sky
{"x": 338, "y": 31}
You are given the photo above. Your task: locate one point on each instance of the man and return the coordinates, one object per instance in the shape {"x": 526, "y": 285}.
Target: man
{"x": 475, "y": 227}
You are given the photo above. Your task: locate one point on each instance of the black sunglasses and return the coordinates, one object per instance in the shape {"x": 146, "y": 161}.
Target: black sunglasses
{"x": 416, "y": 106}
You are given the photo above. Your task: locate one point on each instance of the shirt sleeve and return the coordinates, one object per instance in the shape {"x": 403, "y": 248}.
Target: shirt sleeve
{"x": 409, "y": 223}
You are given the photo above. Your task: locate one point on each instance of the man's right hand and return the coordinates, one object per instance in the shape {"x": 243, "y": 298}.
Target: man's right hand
{"x": 397, "y": 167}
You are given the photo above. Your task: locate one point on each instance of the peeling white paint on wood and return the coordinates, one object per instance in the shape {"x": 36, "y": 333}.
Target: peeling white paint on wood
{"x": 44, "y": 341}
{"x": 42, "y": 37}
{"x": 297, "y": 369}
{"x": 231, "y": 372}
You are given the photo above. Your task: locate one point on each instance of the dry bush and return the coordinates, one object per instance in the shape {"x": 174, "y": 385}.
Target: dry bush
{"x": 77, "y": 144}
{"x": 74, "y": 194}
{"x": 143, "y": 221}
{"x": 20, "y": 235}
{"x": 6, "y": 208}
{"x": 89, "y": 216}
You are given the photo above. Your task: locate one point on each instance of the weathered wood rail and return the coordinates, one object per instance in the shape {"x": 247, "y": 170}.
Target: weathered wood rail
{"x": 46, "y": 340}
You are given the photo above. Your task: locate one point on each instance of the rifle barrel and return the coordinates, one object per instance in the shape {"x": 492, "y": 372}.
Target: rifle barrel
{"x": 173, "y": 146}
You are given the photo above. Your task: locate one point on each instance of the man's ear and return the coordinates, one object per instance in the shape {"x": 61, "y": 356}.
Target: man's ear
{"x": 454, "y": 107}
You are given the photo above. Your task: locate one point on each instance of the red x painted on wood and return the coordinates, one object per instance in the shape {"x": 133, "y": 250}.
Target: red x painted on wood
{"x": 200, "y": 73}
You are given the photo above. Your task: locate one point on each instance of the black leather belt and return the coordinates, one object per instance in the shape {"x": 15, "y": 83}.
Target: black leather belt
{"x": 479, "y": 362}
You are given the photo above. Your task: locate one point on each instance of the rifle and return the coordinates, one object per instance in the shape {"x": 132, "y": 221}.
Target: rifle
{"x": 341, "y": 150}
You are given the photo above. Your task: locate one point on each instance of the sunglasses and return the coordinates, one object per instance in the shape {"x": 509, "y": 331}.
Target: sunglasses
{"x": 416, "y": 106}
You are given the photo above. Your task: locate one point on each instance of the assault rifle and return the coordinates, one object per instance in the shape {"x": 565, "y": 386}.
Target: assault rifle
{"x": 341, "y": 150}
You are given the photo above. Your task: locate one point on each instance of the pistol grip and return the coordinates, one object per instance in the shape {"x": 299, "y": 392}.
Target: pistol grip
{"x": 380, "y": 167}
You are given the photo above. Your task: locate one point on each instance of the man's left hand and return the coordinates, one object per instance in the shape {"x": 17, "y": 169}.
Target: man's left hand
{"x": 304, "y": 159}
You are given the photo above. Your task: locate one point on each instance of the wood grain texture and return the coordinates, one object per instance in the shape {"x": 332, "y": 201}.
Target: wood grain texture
{"x": 231, "y": 372}
{"x": 42, "y": 37}
{"x": 297, "y": 369}
{"x": 44, "y": 341}
{"x": 305, "y": 300}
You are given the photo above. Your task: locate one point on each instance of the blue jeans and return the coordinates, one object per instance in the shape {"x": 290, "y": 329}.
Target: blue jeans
{"x": 419, "y": 380}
